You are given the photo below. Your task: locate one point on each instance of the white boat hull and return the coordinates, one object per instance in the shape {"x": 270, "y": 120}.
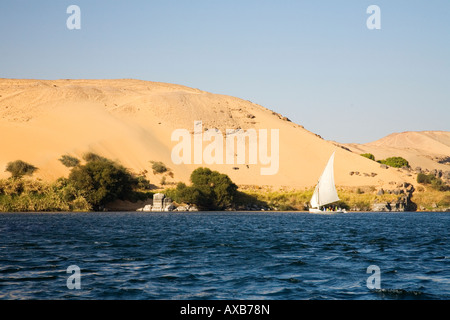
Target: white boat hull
{"x": 313, "y": 210}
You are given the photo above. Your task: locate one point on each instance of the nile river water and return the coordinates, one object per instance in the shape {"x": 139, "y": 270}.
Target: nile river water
{"x": 224, "y": 255}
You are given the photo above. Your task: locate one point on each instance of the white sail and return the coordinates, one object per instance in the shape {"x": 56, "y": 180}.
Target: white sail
{"x": 325, "y": 191}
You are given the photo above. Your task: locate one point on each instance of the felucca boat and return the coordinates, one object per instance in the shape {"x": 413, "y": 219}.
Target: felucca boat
{"x": 325, "y": 192}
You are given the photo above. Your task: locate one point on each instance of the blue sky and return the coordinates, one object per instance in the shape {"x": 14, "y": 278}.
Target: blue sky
{"x": 315, "y": 62}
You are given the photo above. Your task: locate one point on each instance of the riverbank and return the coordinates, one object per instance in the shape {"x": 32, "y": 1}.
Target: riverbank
{"x": 355, "y": 199}
{"x": 361, "y": 199}
{"x": 30, "y": 195}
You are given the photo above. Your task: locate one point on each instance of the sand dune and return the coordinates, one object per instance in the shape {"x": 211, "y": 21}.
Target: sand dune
{"x": 132, "y": 121}
{"x": 426, "y": 149}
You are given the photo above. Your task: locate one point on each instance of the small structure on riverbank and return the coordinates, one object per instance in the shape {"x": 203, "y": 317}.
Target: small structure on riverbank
{"x": 160, "y": 203}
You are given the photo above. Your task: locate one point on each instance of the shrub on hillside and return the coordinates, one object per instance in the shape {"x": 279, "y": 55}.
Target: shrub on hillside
{"x": 433, "y": 181}
{"x": 20, "y": 168}
{"x": 90, "y": 156}
{"x": 425, "y": 178}
{"x": 368, "y": 156}
{"x": 396, "y": 162}
{"x": 69, "y": 161}
{"x": 158, "y": 167}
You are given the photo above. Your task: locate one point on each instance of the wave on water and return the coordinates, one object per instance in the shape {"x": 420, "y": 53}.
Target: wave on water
{"x": 287, "y": 256}
{"x": 400, "y": 293}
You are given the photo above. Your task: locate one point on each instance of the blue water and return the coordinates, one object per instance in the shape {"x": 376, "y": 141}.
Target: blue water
{"x": 224, "y": 255}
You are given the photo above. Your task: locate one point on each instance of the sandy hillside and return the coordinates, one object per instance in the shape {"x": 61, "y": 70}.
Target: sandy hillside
{"x": 428, "y": 150}
{"x": 132, "y": 121}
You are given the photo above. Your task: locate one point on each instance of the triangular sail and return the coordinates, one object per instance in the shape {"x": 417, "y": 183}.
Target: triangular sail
{"x": 325, "y": 191}
{"x": 315, "y": 198}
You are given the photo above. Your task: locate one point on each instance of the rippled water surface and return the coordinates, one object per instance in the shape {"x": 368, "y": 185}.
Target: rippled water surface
{"x": 223, "y": 255}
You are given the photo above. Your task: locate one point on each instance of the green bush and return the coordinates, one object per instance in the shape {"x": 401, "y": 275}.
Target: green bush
{"x": 431, "y": 179}
{"x": 23, "y": 195}
{"x": 439, "y": 185}
{"x": 425, "y": 178}
{"x": 69, "y": 161}
{"x": 445, "y": 202}
{"x": 158, "y": 167}
{"x": 90, "y": 156}
{"x": 396, "y": 162}
{"x": 80, "y": 204}
{"x": 368, "y": 156}
{"x": 218, "y": 189}
{"x": 20, "y": 168}
{"x": 184, "y": 194}
{"x": 210, "y": 190}
{"x": 88, "y": 187}
{"x": 142, "y": 183}
{"x": 100, "y": 181}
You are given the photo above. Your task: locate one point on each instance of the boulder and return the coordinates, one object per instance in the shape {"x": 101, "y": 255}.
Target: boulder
{"x": 410, "y": 188}
{"x": 169, "y": 207}
{"x": 380, "y": 207}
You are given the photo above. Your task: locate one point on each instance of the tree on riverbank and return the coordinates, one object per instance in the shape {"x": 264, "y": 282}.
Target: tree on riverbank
{"x": 210, "y": 190}
{"x": 101, "y": 181}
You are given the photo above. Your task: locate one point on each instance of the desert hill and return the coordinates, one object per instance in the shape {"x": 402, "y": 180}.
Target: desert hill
{"x": 132, "y": 121}
{"x": 428, "y": 150}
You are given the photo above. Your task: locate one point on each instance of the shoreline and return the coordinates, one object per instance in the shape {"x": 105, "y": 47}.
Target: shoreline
{"x": 212, "y": 211}
{"x": 249, "y": 201}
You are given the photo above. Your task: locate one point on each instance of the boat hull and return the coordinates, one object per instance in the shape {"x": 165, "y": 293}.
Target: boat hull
{"x": 318, "y": 211}
{"x": 311, "y": 210}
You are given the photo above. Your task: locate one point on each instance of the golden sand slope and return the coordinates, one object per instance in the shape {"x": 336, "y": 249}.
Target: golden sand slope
{"x": 132, "y": 121}
{"x": 421, "y": 149}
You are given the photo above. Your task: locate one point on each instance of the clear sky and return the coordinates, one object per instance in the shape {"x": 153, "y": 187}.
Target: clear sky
{"x": 315, "y": 62}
